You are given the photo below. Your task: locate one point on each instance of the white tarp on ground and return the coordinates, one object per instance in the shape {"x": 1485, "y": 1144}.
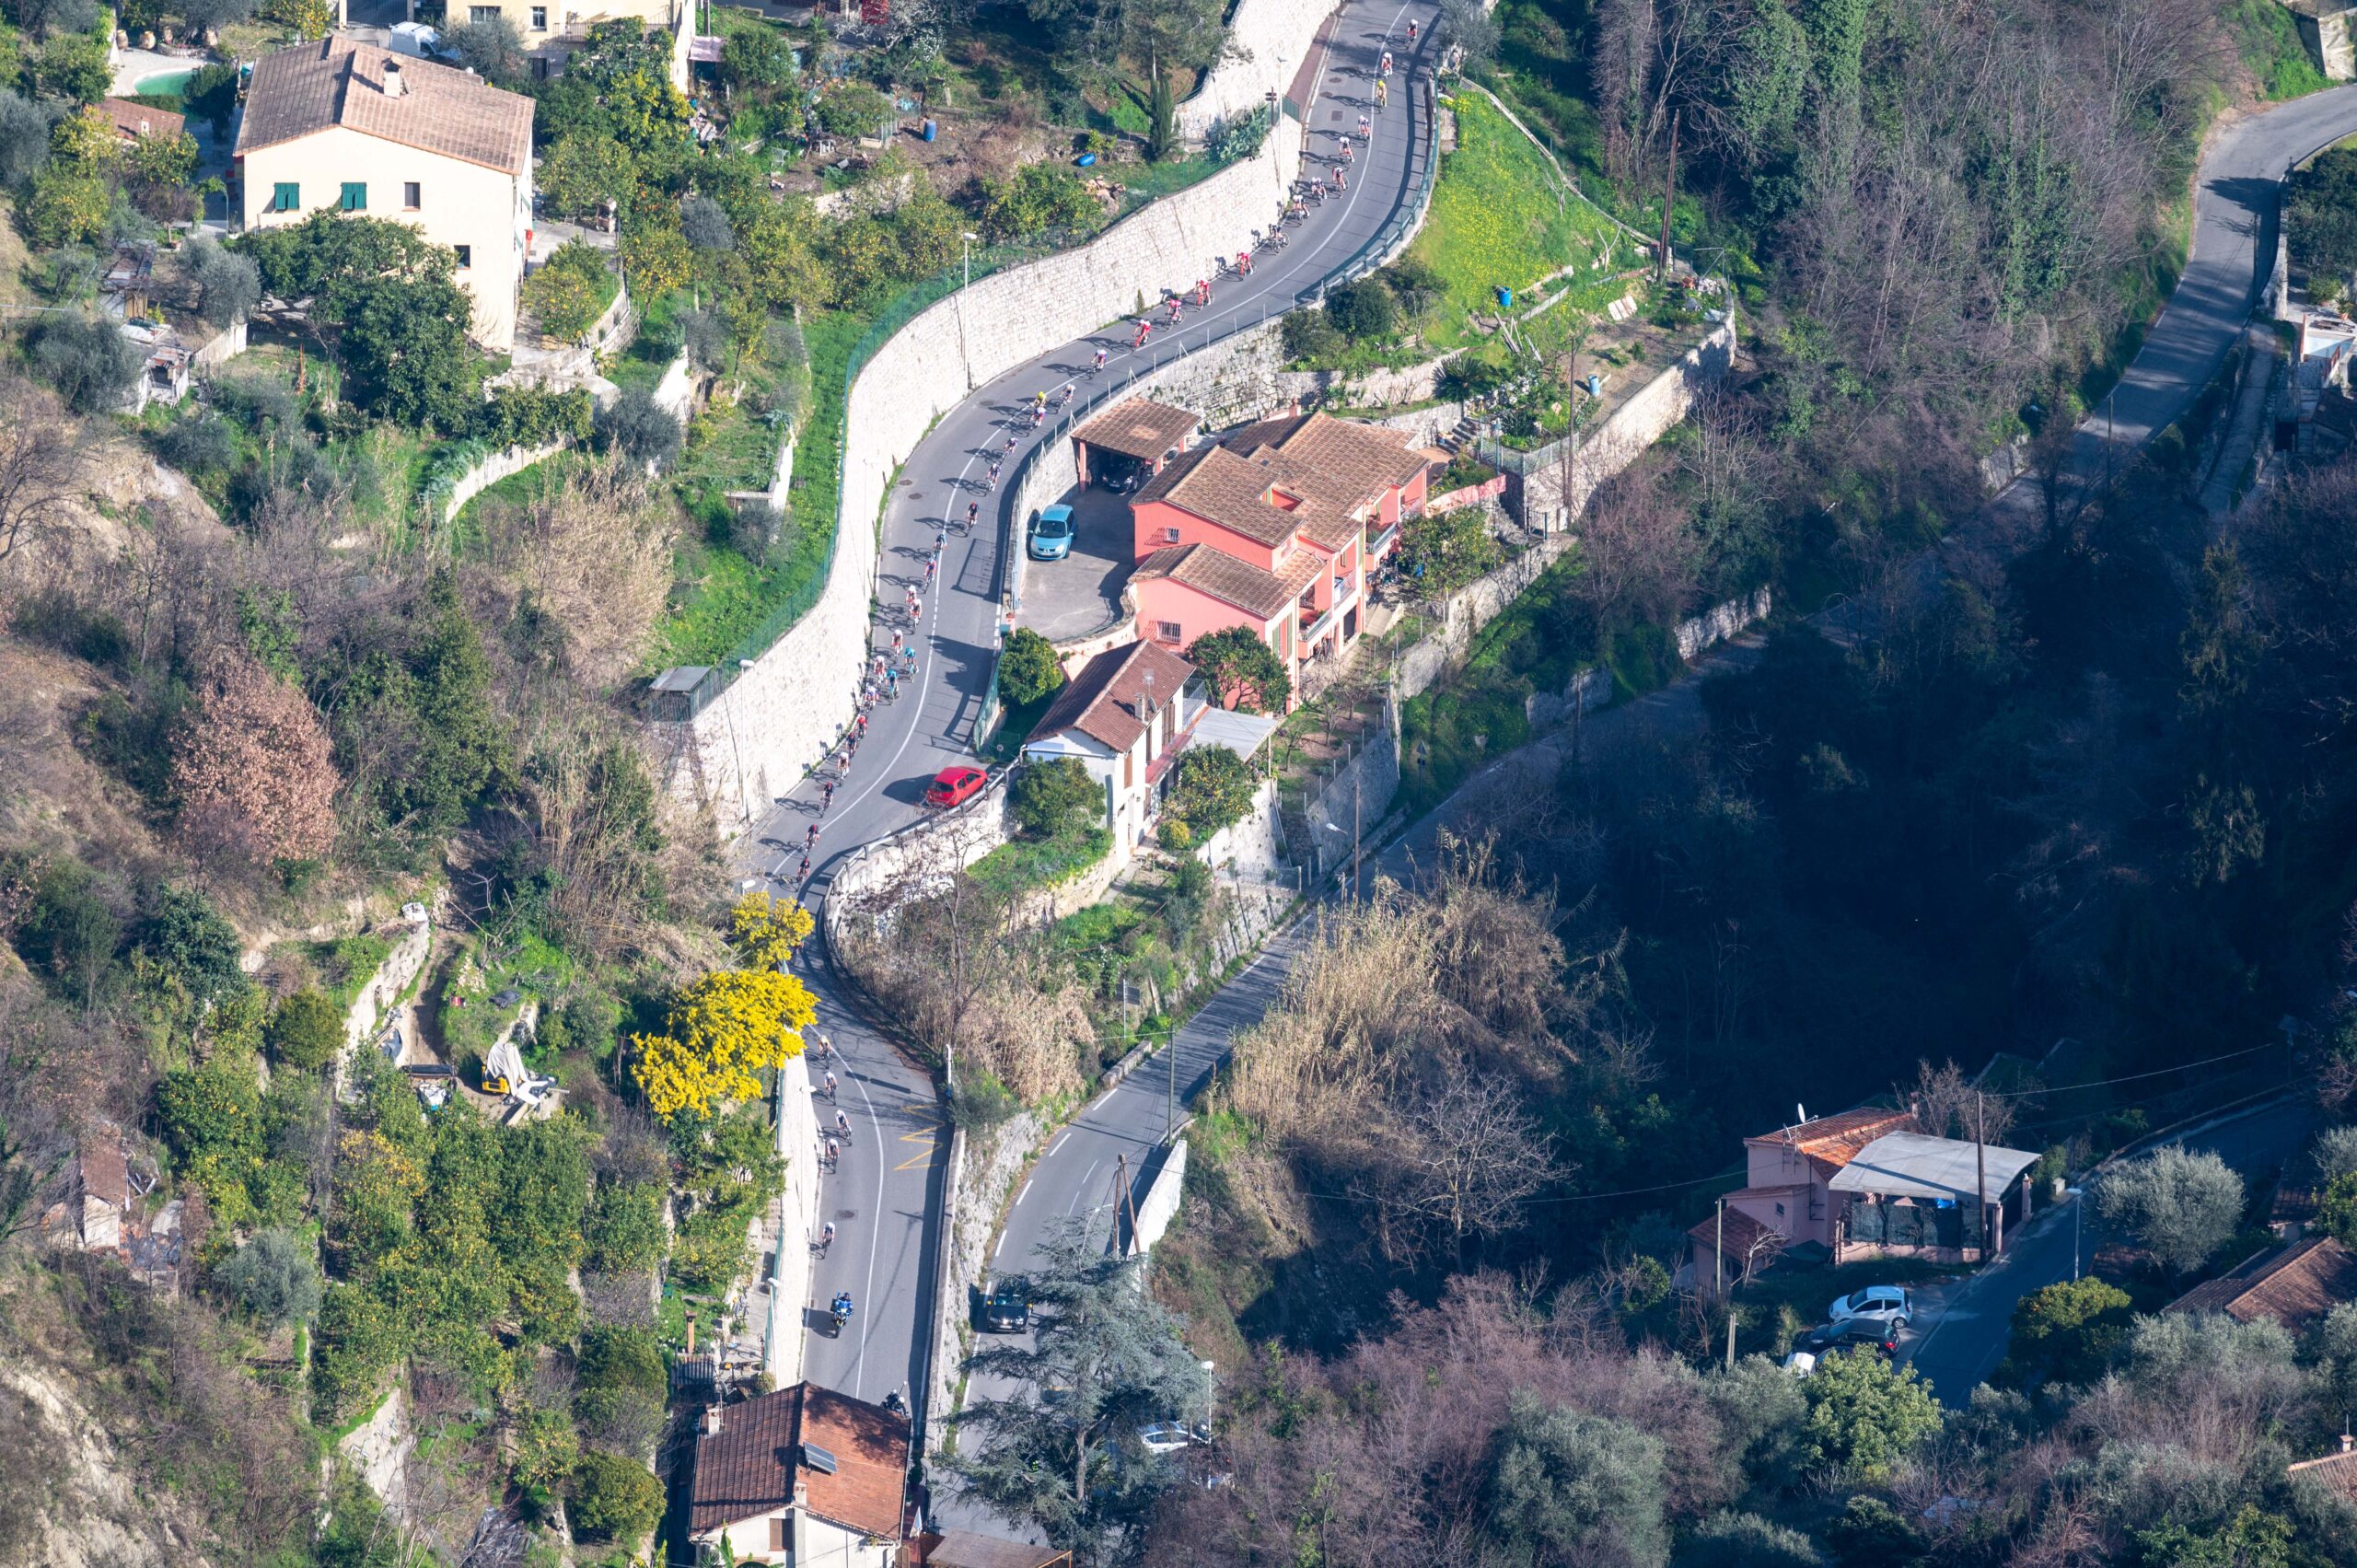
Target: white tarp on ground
{"x": 506, "y": 1062}
{"x": 1909, "y": 1164}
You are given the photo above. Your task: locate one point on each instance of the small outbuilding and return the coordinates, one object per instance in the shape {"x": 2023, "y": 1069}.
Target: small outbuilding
{"x": 1129, "y": 443}
{"x": 1912, "y": 1195}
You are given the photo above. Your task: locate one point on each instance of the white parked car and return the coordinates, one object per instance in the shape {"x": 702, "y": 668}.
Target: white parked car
{"x": 1168, "y": 1437}
{"x": 1881, "y": 1304}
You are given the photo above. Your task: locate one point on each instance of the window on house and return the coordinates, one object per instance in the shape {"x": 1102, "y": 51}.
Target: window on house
{"x": 1167, "y": 631}
{"x": 412, "y": 195}
{"x": 539, "y": 67}
{"x": 540, "y": 18}
{"x": 466, "y": 256}
{"x": 356, "y": 196}
{"x": 1129, "y": 763}
{"x": 482, "y": 13}
{"x": 1170, "y": 536}
{"x": 286, "y": 196}
{"x": 777, "y": 1535}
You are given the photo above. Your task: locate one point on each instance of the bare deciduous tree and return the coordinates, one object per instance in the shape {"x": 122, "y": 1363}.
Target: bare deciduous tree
{"x": 595, "y": 557}
{"x": 42, "y": 456}
{"x": 255, "y": 773}
{"x": 1462, "y": 1156}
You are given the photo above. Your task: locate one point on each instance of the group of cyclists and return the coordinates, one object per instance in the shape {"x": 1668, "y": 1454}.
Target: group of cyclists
{"x": 886, "y": 667}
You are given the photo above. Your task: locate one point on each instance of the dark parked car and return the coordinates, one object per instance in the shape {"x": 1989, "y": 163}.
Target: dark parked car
{"x": 1850, "y": 1334}
{"x": 1007, "y": 1309}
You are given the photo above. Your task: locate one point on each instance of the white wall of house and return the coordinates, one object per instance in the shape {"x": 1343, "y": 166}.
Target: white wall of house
{"x": 790, "y": 1535}
{"x": 488, "y": 211}
{"x": 1128, "y": 799}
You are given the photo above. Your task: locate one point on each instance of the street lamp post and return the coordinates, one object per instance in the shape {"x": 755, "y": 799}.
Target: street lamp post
{"x": 1211, "y": 1382}
{"x": 965, "y": 352}
{"x": 2077, "y": 1208}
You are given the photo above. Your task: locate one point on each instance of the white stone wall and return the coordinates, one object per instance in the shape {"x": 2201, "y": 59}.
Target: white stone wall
{"x": 1247, "y": 849}
{"x": 797, "y": 1145}
{"x": 1267, "y": 40}
{"x": 503, "y": 464}
{"x": 1539, "y": 499}
{"x": 951, "y": 841}
{"x": 757, "y": 738}
{"x": 984, "y": 1169}
{"x": 1161, "y": 1204}
{"x": 1719, "y": 622}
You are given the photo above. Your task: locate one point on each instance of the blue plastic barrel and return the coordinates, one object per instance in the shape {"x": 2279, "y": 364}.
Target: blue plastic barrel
{"x": 930, "y": 130}
{"x": 1506, "y": 299}
{"x": 1085, "y": 160}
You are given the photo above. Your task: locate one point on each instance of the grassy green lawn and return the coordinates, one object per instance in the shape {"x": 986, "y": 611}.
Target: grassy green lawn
{"x": 1501, "y": 219}
{"x": 1041, "y": 863}
{"x": 734, "y": 604}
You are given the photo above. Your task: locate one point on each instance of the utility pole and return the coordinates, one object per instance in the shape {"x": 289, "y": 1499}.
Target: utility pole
{"x": 1981, "y": 1166}
{"x": 1719, "y": 1253}
{"x": 1670, "y": 197}
{"x": 1170, "y": 1114}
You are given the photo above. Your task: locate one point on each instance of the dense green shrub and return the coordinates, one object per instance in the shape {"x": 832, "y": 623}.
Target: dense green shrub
{"x": 306, "y": 1031}
{"x": 614, "y": 1499}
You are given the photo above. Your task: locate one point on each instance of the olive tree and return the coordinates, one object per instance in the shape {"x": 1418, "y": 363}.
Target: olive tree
{"x": 2180, "y": 1207}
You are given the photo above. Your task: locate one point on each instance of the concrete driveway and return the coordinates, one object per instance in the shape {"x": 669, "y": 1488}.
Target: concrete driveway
{"x": 1962, "y": 1328}
{"x": 1082, "y": 592}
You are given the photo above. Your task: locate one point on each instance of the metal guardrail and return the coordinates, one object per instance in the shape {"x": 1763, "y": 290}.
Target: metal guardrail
{"x": 1008, "y": 586}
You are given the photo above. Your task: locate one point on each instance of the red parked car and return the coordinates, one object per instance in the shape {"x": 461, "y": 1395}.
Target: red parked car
{"x": 954, "y": 786}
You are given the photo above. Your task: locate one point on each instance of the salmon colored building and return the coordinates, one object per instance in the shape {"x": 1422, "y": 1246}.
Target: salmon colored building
{"x": 1273, "y": 528}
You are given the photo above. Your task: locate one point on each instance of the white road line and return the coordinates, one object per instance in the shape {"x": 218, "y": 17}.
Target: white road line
{"x": 1024, "y": 1193}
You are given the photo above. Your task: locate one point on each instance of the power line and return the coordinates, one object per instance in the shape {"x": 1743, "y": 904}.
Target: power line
{"x": 2130, "y": 1078}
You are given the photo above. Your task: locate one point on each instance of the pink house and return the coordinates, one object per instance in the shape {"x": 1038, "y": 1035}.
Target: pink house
{"x": 1787, "y": 1197}
{"x": 1273, "y": 529}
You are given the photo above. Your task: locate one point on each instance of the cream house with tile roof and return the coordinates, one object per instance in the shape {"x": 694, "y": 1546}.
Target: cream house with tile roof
{"x": 553, "y": 30}
{"x": 366, "y": 131}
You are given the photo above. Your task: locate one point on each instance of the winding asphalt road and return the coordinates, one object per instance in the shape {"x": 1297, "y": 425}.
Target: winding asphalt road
{"x": 884, "y": 1195}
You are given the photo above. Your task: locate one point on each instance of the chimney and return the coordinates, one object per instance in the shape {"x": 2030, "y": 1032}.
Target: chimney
{"x": 2347, "y": 1442}
{"x": 394, "y": 86}
{"x": 712, "y": 1421}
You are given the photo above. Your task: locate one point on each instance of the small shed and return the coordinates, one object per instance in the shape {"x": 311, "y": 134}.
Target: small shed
{"x": 1129, "y": 443}
{"x": 1912, "y": 1195}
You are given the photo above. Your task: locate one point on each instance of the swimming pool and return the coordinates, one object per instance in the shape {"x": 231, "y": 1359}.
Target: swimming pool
{"x": 165, "y": 83}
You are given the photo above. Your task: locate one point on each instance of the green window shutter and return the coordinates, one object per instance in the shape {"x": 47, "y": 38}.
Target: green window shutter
{"x": 356, "y": 196}
{"x": 286, "y": 197}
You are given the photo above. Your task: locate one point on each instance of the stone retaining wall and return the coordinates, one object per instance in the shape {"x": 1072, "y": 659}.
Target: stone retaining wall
{"x": 797, "y": 1145}
{"x": 756, "y": 739}
{"x": 1542, "y": 501}
{"x": 1267, "y": 40}
{"x": 368, "y": 1011}
{"x": 984, "y": 1169}
{"x": 505, "y": 463}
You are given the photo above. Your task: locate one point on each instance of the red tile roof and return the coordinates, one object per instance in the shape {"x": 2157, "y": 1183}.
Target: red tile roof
{"x": 105, "y": 1175}
{"x": 1107, "y": 699}
{"x": 2296, "y": 1285}
{"x": 2337, "y": 1471}
{"x": 961, "y": 1549}
{"x": 753, "y": 1466}
{"x": 139, "y": 120}
{"x": 311, "y": 86}
{"x": 1257, "y": 593}
{"x": 1139, "y": 428}
{"x": 1368, "y": 456}
{"x": 1743, "y": 1233}
{"x": 1830, "y": 1142}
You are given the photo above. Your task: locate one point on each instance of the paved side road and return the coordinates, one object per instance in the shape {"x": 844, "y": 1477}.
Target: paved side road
{"x": 1963, "y": 1335}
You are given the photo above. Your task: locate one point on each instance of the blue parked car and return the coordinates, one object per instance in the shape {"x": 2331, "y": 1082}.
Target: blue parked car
{"x": 1052, "y": 535}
